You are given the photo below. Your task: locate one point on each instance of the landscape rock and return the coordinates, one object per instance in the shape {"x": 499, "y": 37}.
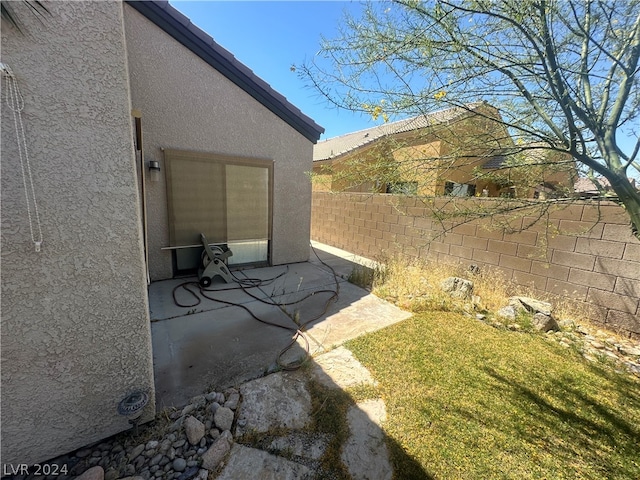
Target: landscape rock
{"x": 211, "y": 396}
{"x": 177, "y": 425}
{"x": 179, "y": 464}
{"x": 151, "y": 445}
{"x": 111, "y": 474}
{"x": 213, "y": 407}
{"x": 188, "y": 409}
{"x": 94, "y": 473}
{"x": 202, "y": 474}
{"x": 136, "y": 452}
{"x": 507, "y": 312}
{"x": 194, "y": 429}
{"x": 458, "y": 287}
{"x": 631, "y": 351}
{"x": 544, "y": 323}
{"x": 531, "y": 305}
{"x": 188, "y": 474}
{"x": 232, "y": 401}
{"x": 212, "y": 457}
{"x": 223, "y": 418}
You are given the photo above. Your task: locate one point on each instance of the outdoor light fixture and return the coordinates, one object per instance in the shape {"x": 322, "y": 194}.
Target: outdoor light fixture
{"x": 154, "y": 170}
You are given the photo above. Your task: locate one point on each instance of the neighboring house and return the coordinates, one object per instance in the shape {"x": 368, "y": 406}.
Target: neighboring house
{"x": 109, "y": 89}
{"x": 585, "y": 187}
{"x": 458, "y": 151}
{"x": 533, "y": 171}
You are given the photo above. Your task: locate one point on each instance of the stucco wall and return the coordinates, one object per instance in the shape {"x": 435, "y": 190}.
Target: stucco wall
{"x": 75, "y": 324}
{"x": 186, "y": 104}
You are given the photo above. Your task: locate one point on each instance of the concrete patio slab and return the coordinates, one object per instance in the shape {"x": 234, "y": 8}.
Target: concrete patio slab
{"x": 340, "y": 369}
{"x": 298, "y": 277}
{"x": 245, "y": 463}
{"x": 162, "y": 305}
{"x": 365, "y": 453}
{"x": 280, "y": 400}
{"x": 221, "y": 347}
{"x": 341, "y": 261}
{"x": 351, "y": 316}
{"x": 217, "y": 345}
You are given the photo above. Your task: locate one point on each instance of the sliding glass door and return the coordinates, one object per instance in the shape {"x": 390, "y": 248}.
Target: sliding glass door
{"x": 226, "y": 198}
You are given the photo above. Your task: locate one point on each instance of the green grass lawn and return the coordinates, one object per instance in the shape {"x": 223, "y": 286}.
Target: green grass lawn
{"x": 468, "y": 401}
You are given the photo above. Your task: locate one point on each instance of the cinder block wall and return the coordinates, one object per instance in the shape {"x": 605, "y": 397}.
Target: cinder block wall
{"x": 582, "y": 251}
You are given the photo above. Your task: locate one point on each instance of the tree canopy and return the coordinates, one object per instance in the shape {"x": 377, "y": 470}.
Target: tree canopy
{"x": 564, "y": 74}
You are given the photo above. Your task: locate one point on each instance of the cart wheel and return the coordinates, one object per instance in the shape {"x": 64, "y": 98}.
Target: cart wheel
{"x": 205, "y": 282}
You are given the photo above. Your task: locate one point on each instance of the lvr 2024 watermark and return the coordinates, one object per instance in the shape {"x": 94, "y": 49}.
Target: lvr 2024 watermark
{"x": 44, "y": 469}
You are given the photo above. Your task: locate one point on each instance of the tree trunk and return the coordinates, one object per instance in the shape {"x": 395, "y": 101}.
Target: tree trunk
{"x": 629, "y": 197}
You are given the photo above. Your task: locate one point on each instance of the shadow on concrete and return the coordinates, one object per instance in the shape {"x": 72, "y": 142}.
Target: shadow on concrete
{"x": 307, "y": 424}
{"x": 228, "y": 334}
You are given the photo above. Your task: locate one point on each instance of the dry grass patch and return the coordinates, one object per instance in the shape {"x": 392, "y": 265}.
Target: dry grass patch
{"x": 414, "y": 284}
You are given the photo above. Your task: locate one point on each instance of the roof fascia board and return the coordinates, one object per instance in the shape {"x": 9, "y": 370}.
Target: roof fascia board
{"x": 210, "y": 53}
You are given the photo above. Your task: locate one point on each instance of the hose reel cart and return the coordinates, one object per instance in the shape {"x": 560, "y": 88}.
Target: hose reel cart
{"x": 213, "y": 263}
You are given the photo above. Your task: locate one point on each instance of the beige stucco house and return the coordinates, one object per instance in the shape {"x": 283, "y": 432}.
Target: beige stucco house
{"x": 111, "y": 89}
{"x": 460, "y": 151}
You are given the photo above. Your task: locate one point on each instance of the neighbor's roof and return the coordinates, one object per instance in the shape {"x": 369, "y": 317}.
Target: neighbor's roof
{"x": 586, "y": 186}
{"x": 181, "y": 29}
{"x": 336, "y": 146}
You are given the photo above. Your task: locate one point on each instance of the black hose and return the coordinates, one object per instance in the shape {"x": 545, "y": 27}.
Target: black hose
{"x": 245, "y": 284}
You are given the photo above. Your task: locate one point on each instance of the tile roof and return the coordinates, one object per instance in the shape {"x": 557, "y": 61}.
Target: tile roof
{"x": 336, "y": 146}
{"x": 586, "y": 186}
{"x": 199, "y": 42}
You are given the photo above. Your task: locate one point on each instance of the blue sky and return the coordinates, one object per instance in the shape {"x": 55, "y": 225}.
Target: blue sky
{"x": 269, "y": 37}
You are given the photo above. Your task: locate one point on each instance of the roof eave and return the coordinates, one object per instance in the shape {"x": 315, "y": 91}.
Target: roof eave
{"x": 181, "y": 29}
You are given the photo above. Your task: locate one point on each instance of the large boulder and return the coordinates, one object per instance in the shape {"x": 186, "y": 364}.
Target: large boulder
{"x": 531, "y": 305}
{"x": 458, "y": 287}
{"x": 544, "y": 323}
{"x": 542, "y": 317}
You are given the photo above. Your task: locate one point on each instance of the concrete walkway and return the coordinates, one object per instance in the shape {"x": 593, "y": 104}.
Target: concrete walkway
{"x": 279, "y": 406}
{"x": 214, "y": 345}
